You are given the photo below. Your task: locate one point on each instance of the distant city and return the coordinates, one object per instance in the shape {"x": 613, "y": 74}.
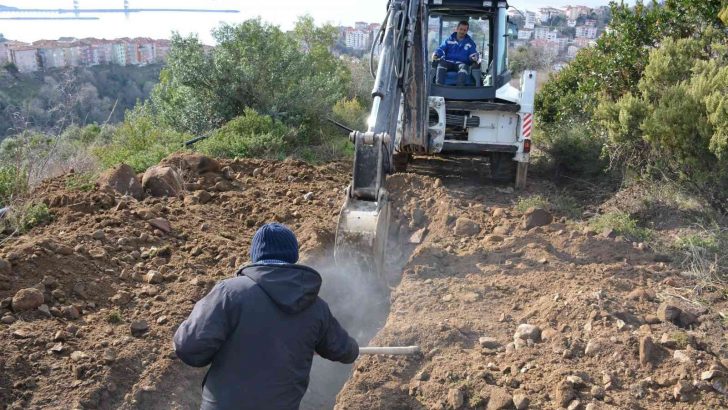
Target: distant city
{"x": 558, "y": 32}
{"x": 71, "y": 52}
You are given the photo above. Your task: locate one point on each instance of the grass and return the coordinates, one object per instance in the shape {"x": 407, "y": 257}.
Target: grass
{"x": 704, "y": 255}
{"x": 84, "y": 181}
{"x": 114, "y": 317}
{"x": 622, "y": 223}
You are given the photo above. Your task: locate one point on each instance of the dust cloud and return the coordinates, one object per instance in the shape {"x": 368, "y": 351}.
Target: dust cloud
{"x": 360, "y": 302}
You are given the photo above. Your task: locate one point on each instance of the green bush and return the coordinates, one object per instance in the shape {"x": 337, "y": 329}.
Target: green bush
{"x": 532, "y": 201}
{"x": 13, "y": 182}
{"x": 572, "y": 148}
{"x": 140, "y": 141}
{"x": 249, "y": 135}
{"x": 350, "y": 112}
{"x": 622, "y": 223}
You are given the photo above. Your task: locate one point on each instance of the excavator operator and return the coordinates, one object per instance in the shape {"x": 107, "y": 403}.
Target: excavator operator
{"x": 457, "y": 53}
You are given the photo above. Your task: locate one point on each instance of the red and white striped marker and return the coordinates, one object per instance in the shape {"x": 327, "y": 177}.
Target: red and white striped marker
{"x": 527, "y": 124}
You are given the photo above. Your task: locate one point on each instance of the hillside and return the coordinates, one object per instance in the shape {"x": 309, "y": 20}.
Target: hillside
{"x": 598, "y": 321}
{"x": 51, "y": 100}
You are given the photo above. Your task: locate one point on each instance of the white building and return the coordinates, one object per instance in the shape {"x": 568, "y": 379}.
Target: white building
{"x": 525, "y": 34}
{"x": 586, "y": 32}
{"x": 25, "y": 58}
{"x": 356, "y": 39}
{"x": 530, "y": 22}
{"x": 541, "y": 33}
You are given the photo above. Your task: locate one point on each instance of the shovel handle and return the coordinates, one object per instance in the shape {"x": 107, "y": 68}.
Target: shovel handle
{"x": 394, "y": 350}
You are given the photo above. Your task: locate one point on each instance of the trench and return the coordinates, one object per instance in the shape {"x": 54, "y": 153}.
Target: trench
{"x": 361, "y": 304}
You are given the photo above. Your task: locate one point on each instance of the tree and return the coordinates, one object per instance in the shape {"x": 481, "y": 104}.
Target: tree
{"x": 528, "y": 58}
{"x": 288, "y": 76}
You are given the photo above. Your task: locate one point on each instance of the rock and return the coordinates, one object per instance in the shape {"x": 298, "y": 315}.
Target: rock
{"x": 121, "y": 298}
{"x": 78, "y": 356}
{"x": 109, "y": 356}
{"x": 682, "y": 356}
{"x": 489, "y": 342}
{"x": 536, "y": 217}
{"x": 671, "y": 313}
{"x": 162, "y": 181}
{"x": 499, "y": 399}
{"x": 466, "y": 227}
{"x": 675, "y": 340}
{"x": 595, "y": 346}
{"x": 521, "y": 401}
{"x": 525, "y": 331}
{"x": 162, "y": 320}
{"x": 609, "y": 233}
{"x": 455, "y": 398}
{"x": 417, "y": 236}
{"x": 419, "y": 216}
{"x": 27, "y": 299}
{"x": 71, "y": 312}
{"x": 203, "y": 197}
{"x": 575, "y": 380}
{"x": 649, "y": 351}
{"x": 139, "y": 327}
{"x": 447, "y": 298}
{"x": 5, "y": 267}
{"x": 58, "y": 294}
{"x": 161, "y": 224}
{"x": 199, "y": 164}
{"x": 564, "y": 393}
{"x": 493, "y": 238}
{"x": 683, "y": 391}
{"x": 45, "y": 310}
{"x": 57, "y": 348}
{"x": 153, "y": 277}
{"x": 652, "y": 320}
{"x": 80, "y": 290}
{"x": 8, "y": 319}
{"x": 720, "y": 384}
{"x": 498, "y": 213}
{"x": 308, "y": 196}
{"x": 711, "y": 374}
{"x": 99, "y": 235}
{"x": 598, "y": 392}
{"x": 123, "y": 180}
{"x": 574, "y": 405}
{"x": 641, "y": 294}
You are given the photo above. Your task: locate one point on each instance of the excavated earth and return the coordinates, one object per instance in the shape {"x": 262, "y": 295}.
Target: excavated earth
{"x": 510, "y": 310}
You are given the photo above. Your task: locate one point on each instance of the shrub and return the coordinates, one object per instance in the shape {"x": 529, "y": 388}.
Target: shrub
{"x": 140, "y": 141}
{"x": 13, "y": 182}
{"x": 114, "y": 317}
{"x": 622, "y": 223}
{"x": 573, "y": 149}
{"x": 249, "y": 135}
{"x": 351, "y": 113}
{"x": 537, "y": 201}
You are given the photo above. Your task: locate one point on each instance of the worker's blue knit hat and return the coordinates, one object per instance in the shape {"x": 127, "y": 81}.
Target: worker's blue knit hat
{"x": 274, "y": 242}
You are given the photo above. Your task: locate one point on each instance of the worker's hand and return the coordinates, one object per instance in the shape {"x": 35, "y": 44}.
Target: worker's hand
{"x": 435, "y": 57}
{"x": 475, "y": 57}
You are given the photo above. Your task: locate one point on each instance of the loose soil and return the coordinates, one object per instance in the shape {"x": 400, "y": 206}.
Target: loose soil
{"x": 475, "y": 273}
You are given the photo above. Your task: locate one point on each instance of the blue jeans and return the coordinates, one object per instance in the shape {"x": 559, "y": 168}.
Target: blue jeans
{"x": 444, "y": 66}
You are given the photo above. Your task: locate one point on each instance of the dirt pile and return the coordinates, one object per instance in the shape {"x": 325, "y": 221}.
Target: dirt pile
{"x": 111, "y": 277}
{"x": 514, "y": 310}
{"x": 511, "y": 310}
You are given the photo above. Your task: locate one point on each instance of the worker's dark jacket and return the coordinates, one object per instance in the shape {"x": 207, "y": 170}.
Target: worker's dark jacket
{"x": 258, "y": 332}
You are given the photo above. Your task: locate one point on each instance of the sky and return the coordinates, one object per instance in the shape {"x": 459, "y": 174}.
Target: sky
{"x": 279, "y": 12}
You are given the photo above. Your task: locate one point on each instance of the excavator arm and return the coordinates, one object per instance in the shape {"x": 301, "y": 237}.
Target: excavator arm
{"x": 361, "y": 235}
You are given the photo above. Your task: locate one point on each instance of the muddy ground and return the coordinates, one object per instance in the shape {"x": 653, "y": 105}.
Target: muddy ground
{"x": 609, "y": 324}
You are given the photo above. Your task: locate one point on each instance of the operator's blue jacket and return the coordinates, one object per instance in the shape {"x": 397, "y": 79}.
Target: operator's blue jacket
{"x": 456, "y": 51}
{"x": 258, "y": 332}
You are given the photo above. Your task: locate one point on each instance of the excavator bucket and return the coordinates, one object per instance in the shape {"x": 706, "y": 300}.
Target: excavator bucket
{"x": 361, "y": 235}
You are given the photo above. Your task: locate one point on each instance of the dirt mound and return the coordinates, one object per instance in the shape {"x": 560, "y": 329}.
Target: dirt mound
{"x": 552, "y": 316}
{"x": 549, "y": 317}
{"x": 118, "y": 275}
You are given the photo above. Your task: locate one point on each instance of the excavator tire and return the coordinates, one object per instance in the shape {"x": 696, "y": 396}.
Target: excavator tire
{"x": 400, "y": 161}
{"x": 502, "y": 167}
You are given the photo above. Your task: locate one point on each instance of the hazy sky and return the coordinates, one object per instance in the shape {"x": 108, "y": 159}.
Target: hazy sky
{"x": 280, "y": 12}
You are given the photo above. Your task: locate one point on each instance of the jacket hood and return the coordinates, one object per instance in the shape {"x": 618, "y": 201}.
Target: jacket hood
{"x": 292, "y": 287}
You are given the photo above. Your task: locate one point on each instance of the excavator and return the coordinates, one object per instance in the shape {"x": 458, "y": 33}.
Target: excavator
{"x": 411, "y": 113}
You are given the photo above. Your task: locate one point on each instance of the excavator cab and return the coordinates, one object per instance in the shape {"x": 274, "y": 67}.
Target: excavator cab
{"x": 411, "y": 114}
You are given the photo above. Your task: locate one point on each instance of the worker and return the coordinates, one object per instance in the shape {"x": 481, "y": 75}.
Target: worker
{"x": 259, "y": 330}
{"x": 457, "y": 53}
